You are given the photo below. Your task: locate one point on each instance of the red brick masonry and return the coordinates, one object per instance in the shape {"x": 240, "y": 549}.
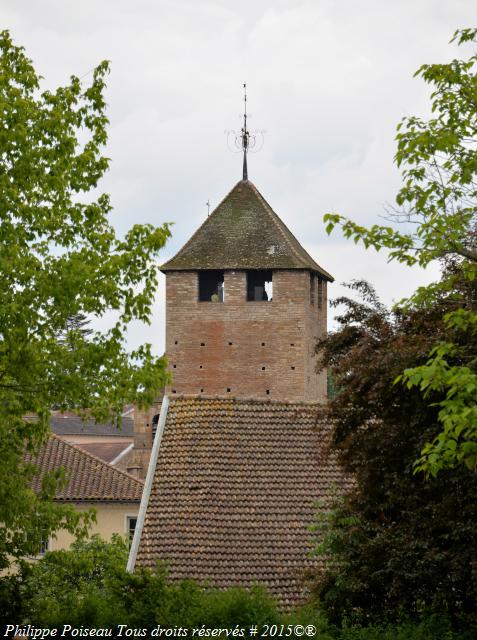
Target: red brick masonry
{"x": 246, "y": 348}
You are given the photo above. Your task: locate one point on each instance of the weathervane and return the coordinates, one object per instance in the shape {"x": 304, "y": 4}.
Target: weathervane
{"x": 245, "y": 141}
{"x": 245, "y": 133}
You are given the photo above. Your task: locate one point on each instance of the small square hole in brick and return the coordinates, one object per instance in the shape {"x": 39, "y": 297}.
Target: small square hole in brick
{"x": 268, "y": 392}
{"x": 228, "y": 390}
{"x": 292, "y": 368}
{"x": 292, "y": 344}
{"x": 230, "y": 344}
{"x": 263, "y": 344}
{"x": 174, "y": 391}
{"x": 263, "y": 368}
{"x": 174, "y": 366}
{"x": 202, "y": 344}
{"x": 202, "y": 391}
{"x": 200, "y": 366}
{"x": 175, "y": 342}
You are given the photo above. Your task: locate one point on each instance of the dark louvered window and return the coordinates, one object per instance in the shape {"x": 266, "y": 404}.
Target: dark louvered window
{"x": 211, "y": 286}
{"x": 155, "y": 421}
{"x": 259, "y": 286}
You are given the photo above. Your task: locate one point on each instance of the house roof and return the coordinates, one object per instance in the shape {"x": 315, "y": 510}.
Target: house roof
{"x": 89, "y": 478}
{"x": 243, "y": 232}
{"x": 234, "y": 491}
{"x": 66, "y": 424}
{"x": 106, "y": 451}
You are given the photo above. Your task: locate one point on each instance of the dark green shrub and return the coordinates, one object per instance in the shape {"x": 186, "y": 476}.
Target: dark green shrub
{"x": 89, "y": 586}
{"x": 401, "y": 544}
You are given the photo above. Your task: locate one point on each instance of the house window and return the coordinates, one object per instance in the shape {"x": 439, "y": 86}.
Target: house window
{"x": 44, "y": 545}
{"x": 131, "y": 522}
{"x": 259, "y": 286}
{"x": 40, "y": 547}
{"x": 211, "y": 286}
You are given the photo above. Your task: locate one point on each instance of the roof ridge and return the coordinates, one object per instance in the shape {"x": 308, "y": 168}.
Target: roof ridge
{"x": 285, "y": 232}
{"x": 251, "y": 399}
{"x": 187, "y": 244}
{"x": 57, "y": 413}
{"x": 95, "y": 458}
{"x": 275, "y": 219}
{"x": 69, "y": 423}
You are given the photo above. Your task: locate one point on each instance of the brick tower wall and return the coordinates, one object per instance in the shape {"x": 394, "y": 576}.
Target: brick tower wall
{"x": 316, "y": 326}
{"x": 241, "y": 348}
{"x": 137, "y": 461}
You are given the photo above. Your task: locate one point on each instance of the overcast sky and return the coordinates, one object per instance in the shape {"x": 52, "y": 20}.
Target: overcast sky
{"x": 327, "y": 80}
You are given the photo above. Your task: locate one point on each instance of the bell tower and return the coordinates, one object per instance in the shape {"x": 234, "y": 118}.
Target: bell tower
{"x": 245, "y": 305}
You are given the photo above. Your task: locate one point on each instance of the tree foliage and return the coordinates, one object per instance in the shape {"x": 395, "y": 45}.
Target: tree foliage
{"x": 88, "y": 586}
{"x": 77, "y": 322}
{"x": 438, "y": 206}
{"x": 60, "y": 258}
{"x": 399, "y": 544}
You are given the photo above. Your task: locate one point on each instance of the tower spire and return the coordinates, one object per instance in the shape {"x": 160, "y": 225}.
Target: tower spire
{"x": 245, "y": 134}
{"x": 242, "y": 140}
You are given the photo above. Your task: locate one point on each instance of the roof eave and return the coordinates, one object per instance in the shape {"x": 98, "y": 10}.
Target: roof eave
{"x": 99, "y": 500}
{"x": 165, "y": 269}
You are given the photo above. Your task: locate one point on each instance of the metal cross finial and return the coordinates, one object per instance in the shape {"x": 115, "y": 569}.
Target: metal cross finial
{"x": 245, "y": 133}
{"x": 208, "y": 208}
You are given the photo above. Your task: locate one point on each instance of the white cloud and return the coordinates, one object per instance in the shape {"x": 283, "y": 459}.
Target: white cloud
{"x": 328, "y": 81}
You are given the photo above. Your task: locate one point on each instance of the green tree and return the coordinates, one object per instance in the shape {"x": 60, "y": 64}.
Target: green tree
{"x": 399, "y": 544}
{"x": 76, "y": 323}
{"x": 438, "y": 206}
{"x": 89, "y": 585}
{"x": 60, "y": 258}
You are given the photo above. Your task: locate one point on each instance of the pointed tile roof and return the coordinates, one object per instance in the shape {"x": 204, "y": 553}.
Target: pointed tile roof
{"x": 243, "y": 232}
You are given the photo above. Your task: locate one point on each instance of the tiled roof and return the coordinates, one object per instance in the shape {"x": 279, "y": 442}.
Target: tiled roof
{"x": 66, "y": 424}
{"x": 106, "y": 451}
{"x": 235, "y": 490}
{"x": 89, "y": 478}
{"x": 243, "y": 232}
